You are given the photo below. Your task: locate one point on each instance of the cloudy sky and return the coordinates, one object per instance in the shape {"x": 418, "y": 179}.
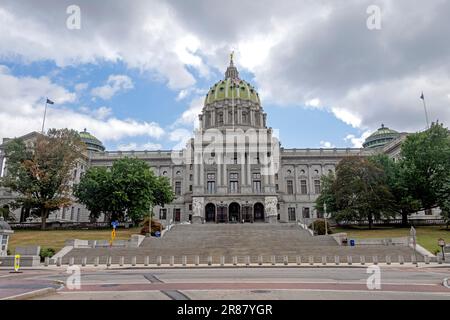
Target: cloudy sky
{"x": 136, "y": 72}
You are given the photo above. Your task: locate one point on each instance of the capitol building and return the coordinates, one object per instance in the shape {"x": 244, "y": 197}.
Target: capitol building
{"x": 232, "y": 170}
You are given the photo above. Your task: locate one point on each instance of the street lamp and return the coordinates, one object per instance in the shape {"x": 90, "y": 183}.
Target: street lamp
{"x": 441, "y": 243}
{"x": 150, "y": 220}
{"x": 325, "y": 216}
{"x": 412, "y": 233}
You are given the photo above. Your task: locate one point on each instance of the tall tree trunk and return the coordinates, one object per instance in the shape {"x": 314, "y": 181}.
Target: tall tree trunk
{"x": 404, "y": 218}
{"x": 370, "y": 218}
{"x": 44, "y": 219}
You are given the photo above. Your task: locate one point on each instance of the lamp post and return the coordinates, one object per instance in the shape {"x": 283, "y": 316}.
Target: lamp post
{"x": 412, "y": 233}
{"x": 325, "y": 216}
{"x": 150, "y": 220}
{"x": 441, "y": 243}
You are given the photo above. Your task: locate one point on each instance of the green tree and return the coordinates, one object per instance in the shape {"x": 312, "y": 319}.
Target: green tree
{"x": 41, "y": 174}
{"x": 94, "y": 191}
{"x": 426, "y": 167}
{"x": 358, "y": 192}
{"x": 404, "y": 202}
{"x": 129, "y": 188}
{"x": 327, "y": 195}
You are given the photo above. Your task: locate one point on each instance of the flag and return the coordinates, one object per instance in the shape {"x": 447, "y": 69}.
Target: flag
{"x": 422, "y": 96}
{"x": 50, "y": 101}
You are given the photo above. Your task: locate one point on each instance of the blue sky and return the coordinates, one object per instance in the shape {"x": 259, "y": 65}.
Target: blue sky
{"x": 136, "y": 76}
{"x": 151, "y": 100}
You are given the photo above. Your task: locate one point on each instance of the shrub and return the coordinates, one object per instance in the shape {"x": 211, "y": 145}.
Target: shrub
{"x": 319, "y": 226}
{"x": 46, "y": 252}
{"x": 156, "y": 226}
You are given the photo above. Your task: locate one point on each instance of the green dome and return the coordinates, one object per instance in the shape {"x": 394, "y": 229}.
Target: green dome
{"x": 232, "y": 89}
{"x": 380, "y": 137}
{"x": 92, "y": 143}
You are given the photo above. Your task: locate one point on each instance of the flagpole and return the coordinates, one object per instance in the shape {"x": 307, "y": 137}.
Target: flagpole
{"x": 45, "y": 113}
{"x": 425, "y": 108}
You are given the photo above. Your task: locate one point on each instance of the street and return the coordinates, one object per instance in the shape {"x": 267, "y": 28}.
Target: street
{"x": 237, "y": 283}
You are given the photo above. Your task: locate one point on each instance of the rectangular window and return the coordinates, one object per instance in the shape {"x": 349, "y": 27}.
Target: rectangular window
{"x": 211, "y": 183}
{"x": 190, "y": 187}
{"x": 178, "y": 188}
{"x": 277, "y": 187}
{"x": 291, "y": 214}
{"x": 428, "y": 212}
{"x": 190, "y": 177}
{"x": 211, "y": 186}
{"x": 162, "y": 214}
{"x": 257, "y": 182}
{"x": 190, "y": 207}
{"x": 233, "y": 186}
{"x": 71, "y": 213}
{"x": 290, "y": 187}
{"x": 316, "y": 186}
{"x": 306, "y": 213}
{"x": 234, "y": 182}
{"x": 256, "y": 186}
{"x": 303, "y": 187}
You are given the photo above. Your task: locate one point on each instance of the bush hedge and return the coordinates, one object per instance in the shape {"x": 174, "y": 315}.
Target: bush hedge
{"x": 319, "y": 227}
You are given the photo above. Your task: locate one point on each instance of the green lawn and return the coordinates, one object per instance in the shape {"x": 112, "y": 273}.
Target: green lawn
{"x": 56, "y": 238}
{"x": 427, "y": 237}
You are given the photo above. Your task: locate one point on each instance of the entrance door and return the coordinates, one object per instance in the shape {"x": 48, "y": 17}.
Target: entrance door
{"x": 258, "y": 211}
{"x": 234, "y": 211}
{"x": 210, "y": 212}
{"x": 177, "y": 215}
{"x": 247, "y": 214}
{"x": 221, "y": 214}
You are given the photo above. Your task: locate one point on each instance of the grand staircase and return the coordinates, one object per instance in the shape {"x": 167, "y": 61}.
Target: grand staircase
{"x": 240, "y": 240}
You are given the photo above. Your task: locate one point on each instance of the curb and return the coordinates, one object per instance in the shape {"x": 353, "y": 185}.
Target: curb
{"x": 32, "y": 294}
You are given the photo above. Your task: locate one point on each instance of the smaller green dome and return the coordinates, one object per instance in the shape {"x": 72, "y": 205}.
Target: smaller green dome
{"x": 380, "y": 137}
{"x": 92, "y": 143}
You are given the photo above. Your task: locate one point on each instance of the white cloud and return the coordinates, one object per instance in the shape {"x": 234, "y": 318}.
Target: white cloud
{"x": 81, "y": 86}
{"x": 144, "y": 36}
{"x": 24, "y": 111}
{"x": 114, "y": 85}
{"x": 326, "y": 144}
{"x": 357, "y": 142}
{"x": 190, "y": 116}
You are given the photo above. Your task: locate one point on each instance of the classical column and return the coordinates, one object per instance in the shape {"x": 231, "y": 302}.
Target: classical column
{"x": 1, "y": 163}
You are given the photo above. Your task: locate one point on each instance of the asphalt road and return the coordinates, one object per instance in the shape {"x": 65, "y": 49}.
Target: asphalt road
{"x": 248, "y": 283}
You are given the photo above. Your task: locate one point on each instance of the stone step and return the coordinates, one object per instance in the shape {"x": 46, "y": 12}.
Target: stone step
{"x": 239, "y": 240}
